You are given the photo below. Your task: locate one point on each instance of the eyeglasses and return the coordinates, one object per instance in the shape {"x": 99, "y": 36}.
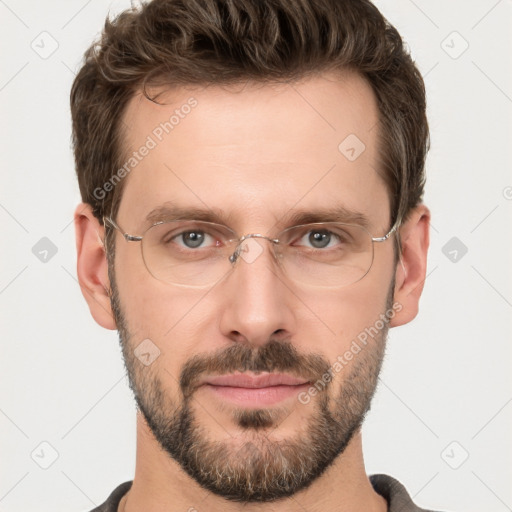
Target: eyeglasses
{"x": 197, "y": 254}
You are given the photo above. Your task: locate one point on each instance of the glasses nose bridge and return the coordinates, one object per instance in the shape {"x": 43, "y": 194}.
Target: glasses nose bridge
{"x": 238, "y": 249}
{"x": 258, "y": 235}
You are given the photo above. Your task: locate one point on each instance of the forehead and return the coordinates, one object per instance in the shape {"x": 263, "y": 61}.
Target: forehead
{"x": 255, "y": 151}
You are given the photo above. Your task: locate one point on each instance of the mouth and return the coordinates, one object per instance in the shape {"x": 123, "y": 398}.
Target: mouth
{"x": 251, "y": 390}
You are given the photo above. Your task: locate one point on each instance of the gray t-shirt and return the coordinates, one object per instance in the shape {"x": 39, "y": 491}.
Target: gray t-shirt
{"x": 391, "y": 489}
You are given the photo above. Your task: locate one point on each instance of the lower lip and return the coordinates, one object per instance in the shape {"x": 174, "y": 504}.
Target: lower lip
{"x": 256, "y": 397}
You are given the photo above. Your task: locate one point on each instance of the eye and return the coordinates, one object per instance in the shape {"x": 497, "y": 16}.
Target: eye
{"x": 194, "y": 238}
{"x": 321, "y": 238}
{"x": 187, "y": 235}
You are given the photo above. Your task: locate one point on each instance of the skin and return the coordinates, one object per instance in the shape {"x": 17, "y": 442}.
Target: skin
{"x": 256, "y": 153}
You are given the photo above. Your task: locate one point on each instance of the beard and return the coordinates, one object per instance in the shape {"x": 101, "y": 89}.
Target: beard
{"x": 254, "y": 467}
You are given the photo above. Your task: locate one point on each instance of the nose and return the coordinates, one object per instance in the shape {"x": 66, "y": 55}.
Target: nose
{"x": 257, "y": 303}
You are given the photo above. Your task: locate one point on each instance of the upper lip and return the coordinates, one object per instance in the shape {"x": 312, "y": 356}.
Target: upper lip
{"x": 244, "y": 380}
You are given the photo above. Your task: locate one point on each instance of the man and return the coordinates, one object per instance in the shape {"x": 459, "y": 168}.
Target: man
{"x": 252, "y": 224}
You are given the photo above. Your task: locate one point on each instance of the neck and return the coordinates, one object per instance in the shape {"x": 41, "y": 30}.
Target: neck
{"x": 161, "y": 485}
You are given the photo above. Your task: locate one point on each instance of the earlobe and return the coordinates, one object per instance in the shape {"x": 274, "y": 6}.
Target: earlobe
{"x": 411, "y": 269}
{"x": 92, "y": 268}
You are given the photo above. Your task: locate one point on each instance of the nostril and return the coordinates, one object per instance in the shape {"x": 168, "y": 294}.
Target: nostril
{"x": 280, "y": 335}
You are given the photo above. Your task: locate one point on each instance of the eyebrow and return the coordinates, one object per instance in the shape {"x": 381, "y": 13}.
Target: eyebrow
{"x": 338, "y": 213}
{"x": 170, "y": 211}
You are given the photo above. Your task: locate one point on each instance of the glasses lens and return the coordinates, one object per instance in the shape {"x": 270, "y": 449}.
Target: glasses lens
{"x": 191, "y": 253}
{"x": 196, "y": 253}
{"x": 327, "y": 254}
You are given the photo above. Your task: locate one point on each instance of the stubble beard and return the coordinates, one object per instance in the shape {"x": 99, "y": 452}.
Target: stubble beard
{"x": 255, "y": 466}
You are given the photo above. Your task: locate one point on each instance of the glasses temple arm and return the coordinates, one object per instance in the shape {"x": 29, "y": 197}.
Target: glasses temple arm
{"x": 385, "y": 237}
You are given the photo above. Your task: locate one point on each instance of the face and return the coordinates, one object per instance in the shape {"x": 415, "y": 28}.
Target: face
{"x": 254, "y": 156}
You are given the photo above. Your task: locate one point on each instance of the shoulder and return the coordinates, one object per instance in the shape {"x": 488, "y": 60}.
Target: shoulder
{"x": 115, "y": 497}
{"x": 395, "y": 494}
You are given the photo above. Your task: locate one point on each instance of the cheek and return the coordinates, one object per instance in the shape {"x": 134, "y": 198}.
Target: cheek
{"x": 348, "y": 312}
{"x": 345, "y": 313}
{"x": 153, "y": 309}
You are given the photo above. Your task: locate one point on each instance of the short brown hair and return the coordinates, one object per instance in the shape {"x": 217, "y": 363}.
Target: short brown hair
{"x": 203, "y": 42}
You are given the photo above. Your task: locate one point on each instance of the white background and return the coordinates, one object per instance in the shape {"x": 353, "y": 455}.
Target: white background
{"x": 447, "y": 374}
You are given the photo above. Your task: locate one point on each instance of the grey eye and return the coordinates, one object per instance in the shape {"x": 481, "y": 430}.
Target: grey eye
{"x": 193, "y": 239}
{"x": 320, "y": 239}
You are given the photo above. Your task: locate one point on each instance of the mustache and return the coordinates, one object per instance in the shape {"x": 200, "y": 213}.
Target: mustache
{"x": 274, "y": 356}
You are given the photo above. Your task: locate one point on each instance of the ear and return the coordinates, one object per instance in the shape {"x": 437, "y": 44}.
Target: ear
{"x": 92, "y": 268}
{"x": 411, "y": 270}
